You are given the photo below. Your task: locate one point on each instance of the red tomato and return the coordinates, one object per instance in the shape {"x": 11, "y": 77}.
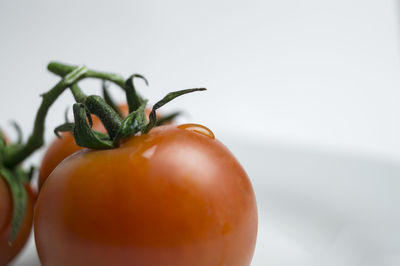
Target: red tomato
{"x": 175, "y": 196}
{"x": 7, "y": 252}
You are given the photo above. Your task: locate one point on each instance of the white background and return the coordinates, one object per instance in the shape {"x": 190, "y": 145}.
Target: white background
{"x": 311, "y": 89}
{"x": 316, "y": 73}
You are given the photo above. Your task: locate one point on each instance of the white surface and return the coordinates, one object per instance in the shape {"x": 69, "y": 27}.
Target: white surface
{"x": 317, "y": 208}
{"x": 323, "y": 73}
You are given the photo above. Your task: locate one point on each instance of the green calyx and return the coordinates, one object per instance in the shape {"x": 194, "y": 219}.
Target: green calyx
{"x": 118, "y": 127}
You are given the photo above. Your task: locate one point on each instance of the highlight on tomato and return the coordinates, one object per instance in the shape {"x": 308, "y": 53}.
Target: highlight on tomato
{"x": 140, "y": 194}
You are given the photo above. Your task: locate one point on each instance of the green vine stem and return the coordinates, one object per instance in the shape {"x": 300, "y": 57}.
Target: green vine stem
{"x": 79, "y": 96}
{"x": 63, "y": 70}
{"x": 15, "y": 154}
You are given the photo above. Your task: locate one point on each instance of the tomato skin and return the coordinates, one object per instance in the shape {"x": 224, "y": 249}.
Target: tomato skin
{"x": 7, "y": 252}
{"x": 57, "y": 151}
{"x": 170, "y": 197}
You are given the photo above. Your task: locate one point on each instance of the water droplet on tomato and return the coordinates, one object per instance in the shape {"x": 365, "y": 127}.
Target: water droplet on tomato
{"x": 198, "y": 129}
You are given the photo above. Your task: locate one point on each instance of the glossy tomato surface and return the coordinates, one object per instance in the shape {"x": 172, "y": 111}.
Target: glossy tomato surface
{"x": 175, "y": 196}
{"x": 64, "y": 146}
{"x": 7, "y": 252}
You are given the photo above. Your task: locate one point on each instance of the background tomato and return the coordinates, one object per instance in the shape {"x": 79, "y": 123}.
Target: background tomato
{"x": 7, "y": 252}
{"x": 175, "y": 196}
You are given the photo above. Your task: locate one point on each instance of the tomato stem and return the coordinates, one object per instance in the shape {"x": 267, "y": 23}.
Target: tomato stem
{"x": 14, "y": 155}
{"x": 62, "y": 70}
{"x": 79, "y": 96}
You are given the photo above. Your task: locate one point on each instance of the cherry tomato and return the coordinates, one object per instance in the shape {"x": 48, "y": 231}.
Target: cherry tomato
{"x": 175, "y": 196}
{"x": 7, "y": 252}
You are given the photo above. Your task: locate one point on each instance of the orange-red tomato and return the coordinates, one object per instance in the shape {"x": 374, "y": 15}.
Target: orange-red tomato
{"x": 7, "y": 252}
{"x": 175, "y": 196}
{"x": 63, "y": 147}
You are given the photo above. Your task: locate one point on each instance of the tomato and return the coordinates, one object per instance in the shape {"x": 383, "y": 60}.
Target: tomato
{"x": 63, "y": 147}
{"x": 175, "y": 196}
{"x": 7, "y": 252}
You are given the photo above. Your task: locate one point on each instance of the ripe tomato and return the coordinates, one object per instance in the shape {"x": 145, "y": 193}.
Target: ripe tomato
{"x": 63, "y": 147}
{"x": 7, "y": 252}
{"x": 175, "y": 196}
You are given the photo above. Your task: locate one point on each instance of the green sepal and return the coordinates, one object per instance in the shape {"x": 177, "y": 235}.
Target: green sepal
{"x": 18, "y": 129}
{"x": 167, "y": 118}
{"x": 110, "y": 119}
{"x": 108, "y": 99}
{"x": 101, "y": 135}
{"x": 66, "y": 119}
{"x": 19, "y": 197}
{"x": 66, "y": 127}
{"x": 133, "y": 99}
{"x": 132, "y": 124}
{"x": 83, "y": 134}
{"x": 169, "y": 97}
